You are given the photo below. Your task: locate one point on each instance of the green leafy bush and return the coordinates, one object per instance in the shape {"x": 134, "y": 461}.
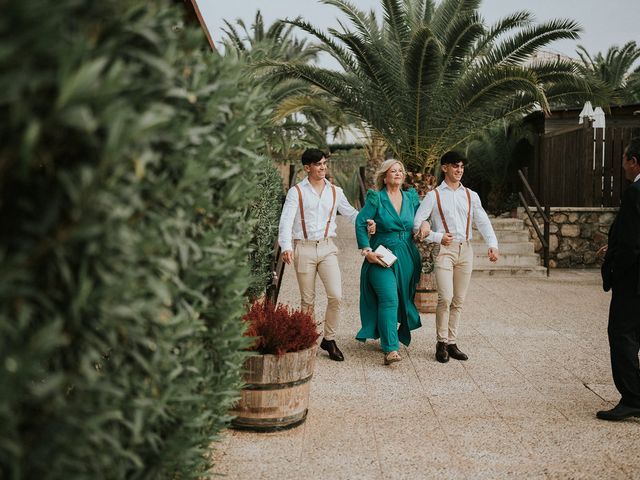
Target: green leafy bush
{"x": 265, "y": 209}
{"x": 344, "y": 170}
{"x": 126, "y": 175}
{"x": 494, "y": 159}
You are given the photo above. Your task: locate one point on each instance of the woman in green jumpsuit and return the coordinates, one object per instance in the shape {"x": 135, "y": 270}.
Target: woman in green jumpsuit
{"x": 386, "y": 293}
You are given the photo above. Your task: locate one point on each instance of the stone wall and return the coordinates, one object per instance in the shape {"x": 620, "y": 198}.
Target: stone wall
{"x": 575, "y": 235}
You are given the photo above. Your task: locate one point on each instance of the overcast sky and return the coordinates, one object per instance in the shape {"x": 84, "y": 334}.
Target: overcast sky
{"x": 604, "y": 22}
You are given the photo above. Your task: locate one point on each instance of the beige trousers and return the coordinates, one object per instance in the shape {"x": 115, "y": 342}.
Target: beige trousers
{"x": 319, "y": 257}
{"x": 453, "y": 270}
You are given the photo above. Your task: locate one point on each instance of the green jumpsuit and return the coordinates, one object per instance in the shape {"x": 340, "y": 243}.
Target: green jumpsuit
{"x": 386, "y": 294}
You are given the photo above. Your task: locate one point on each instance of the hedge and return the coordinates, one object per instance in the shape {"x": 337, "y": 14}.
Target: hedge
{"x": 126, "y": 178}
{"x": 266, "y": 210}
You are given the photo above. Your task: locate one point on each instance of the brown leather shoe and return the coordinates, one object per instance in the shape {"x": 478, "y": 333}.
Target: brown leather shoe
{"x": 332, "y": 349}
{"x": 454, "y": 352}
{"x": 441, "y": 352}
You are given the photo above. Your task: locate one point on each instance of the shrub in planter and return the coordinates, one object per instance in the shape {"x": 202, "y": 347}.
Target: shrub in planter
{"x": 426, "y": 297}
{"x": 279, "y": 329}
{"x": 422, "y": 182}
{"x": 276, "y": 394}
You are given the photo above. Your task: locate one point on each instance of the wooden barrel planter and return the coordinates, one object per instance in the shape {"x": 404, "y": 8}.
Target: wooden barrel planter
{"x": 426, "y": 298}
{"x": 276, "y": 394}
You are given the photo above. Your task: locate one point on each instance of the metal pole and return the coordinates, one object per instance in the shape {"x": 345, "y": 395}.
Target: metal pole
{"x": 273, "y": 290}
{"x": 547, "y": 211}
{"x": 363, "y": 188}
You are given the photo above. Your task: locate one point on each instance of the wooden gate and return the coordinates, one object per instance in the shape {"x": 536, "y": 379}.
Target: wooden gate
{"x": 581, "y": 167}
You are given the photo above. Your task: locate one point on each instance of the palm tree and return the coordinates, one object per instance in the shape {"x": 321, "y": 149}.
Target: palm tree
{"x": 615, "y": 69}
{"x": 429, "y": 77}
{"x": 275, "y": 42}
{"x": 294, "y": 126}
{"x": 497, "y": 153}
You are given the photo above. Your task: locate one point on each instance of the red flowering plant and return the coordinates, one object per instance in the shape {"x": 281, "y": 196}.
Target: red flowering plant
{"x": 279, "y": 329}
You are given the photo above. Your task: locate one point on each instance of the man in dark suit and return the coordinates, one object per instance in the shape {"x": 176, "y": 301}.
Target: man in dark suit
{"x": 621, "y": 274}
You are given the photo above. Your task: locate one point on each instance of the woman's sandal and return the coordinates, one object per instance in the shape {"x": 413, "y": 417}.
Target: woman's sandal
{"x": 391, "y": 357}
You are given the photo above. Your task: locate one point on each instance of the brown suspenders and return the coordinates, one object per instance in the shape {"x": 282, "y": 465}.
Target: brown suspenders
{"x": 333, "y": 205}
{"x": 301, "y": 206}
{"x": 444, "y": 222}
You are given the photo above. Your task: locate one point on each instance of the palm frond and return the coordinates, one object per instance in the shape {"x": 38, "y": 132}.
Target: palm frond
{"x": 258, "y": 28}
{"x": 336, "y": 84}
{"x": 234, "y": 38}
{"x": 395, "y": 18}
{"x": 487, "y": 93}
{"x": 520, "y": 47}
{"x": 362, "y": 22}
{"x": 587, "y": 62}
{"x": 459, "y": 41}
{"x": 515, "y": 20}
{"x": 449, "y": 11}
{"x": 423, "y": 72}
{"x": 624, "y": 60}
{"x": 371, "y": 63}
{"x": 415, "y": 13}
{"x": 342, "y": 55}
{"x": 615, "y": 69}
{"x": 275, "y": 31}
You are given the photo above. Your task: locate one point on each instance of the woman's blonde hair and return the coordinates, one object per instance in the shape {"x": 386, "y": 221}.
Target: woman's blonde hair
{"x": 382, "y": 170}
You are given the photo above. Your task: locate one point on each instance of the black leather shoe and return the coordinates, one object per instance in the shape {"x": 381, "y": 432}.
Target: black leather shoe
{"x": 454, "y": 352}
{"x": 332, "y": 349}
{"x": 619, "y": 412}
{"x": 441, "y": 352}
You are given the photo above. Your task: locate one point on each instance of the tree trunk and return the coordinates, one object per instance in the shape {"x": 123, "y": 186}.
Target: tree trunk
{"x": 375, "y": 149}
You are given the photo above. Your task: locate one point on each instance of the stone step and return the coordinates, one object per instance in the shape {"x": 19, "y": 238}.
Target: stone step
{"x": 504, "y": 236}
{"x": 502, "y": 271}
{"x": 517, "y": 254}
{"x": 506, "y": 224}
{"x": 522, "y": 248}
{"x": 507, "y": 260}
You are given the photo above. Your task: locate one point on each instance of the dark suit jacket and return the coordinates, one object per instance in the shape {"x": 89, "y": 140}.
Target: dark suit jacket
{"x": 622, "y": 260}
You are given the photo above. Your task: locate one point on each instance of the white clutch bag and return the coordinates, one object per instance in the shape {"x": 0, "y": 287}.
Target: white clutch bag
{"x": 388, "y": 258}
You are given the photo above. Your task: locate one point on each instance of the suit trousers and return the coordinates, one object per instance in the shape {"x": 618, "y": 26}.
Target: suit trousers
{"x": 454, "y": 265}
{"x": 624, "y": 339}
{"x": 314, "y": 258}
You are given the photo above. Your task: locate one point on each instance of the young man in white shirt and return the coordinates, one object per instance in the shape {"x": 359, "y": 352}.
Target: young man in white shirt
{"x": 306, "y": 232}
{"x": 452, "y": 209}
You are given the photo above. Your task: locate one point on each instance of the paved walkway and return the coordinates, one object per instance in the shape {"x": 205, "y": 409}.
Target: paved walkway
{"x": 523, "y": 406}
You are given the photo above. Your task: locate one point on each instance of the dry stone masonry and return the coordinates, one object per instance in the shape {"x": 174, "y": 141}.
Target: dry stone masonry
{"x": 575, "y": 235}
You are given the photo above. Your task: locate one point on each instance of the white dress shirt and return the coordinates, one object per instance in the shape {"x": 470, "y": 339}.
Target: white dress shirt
{"x": 637, "y": 178}
{"x": 316, "y": 213}
{"x": 455, "y": 208}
